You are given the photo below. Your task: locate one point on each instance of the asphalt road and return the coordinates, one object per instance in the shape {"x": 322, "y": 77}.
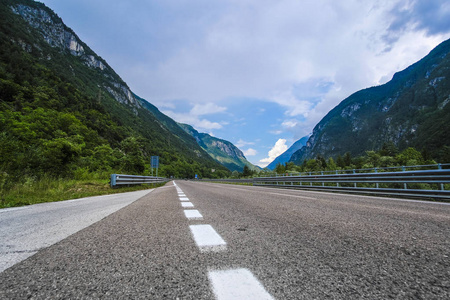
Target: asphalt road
{"x": 25, "y": 230}
{"x": 246, "y": 243}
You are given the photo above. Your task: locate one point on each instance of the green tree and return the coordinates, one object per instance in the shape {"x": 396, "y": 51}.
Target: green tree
{"x": 235, "y": 174}
{"x": 331, "y": 165}
{"x": 347, "y": 159}
{"x": 321, "y": 162}
{"x": 410, "y": 157}
{"x": 280, "y": 169}
{"x": 388, "y": 149}
{"x": 58, "y": 154}
{"x": 340, "y": 161}
{"x": 246, "y": 172}
{"x": 372, "y": 159}
{"x": 290, "y": 166}
{"x": 133, "y": 161}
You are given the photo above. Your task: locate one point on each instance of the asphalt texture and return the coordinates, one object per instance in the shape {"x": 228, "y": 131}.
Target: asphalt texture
{"x": 27, "y": 229}
{"x": 298, "y": 244}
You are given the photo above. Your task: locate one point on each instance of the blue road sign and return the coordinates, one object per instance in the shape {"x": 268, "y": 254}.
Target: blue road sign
{"x": 155, "y": 162}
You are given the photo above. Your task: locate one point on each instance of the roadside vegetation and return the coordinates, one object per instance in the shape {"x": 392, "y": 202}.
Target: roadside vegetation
{"x": 387, "y": 157}
{"x": 47, "y": 189}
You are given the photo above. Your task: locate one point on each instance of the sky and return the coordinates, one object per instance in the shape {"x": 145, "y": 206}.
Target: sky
{"x": 258, "y": 73}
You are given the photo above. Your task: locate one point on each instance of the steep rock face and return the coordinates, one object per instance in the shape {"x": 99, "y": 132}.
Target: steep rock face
{"x": 227, "y": 148}
{"x": 51, "y": 28}
{"x": 58, "y": 35}
{"x": 222, "y": 151}
{"x": 411, "y": 110}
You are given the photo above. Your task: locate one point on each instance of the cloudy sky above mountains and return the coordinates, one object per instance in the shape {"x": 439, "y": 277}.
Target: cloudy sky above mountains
{"x": 259, "y": 73}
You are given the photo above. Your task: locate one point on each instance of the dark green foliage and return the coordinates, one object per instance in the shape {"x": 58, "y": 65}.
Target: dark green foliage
{"x": 280, "y": 169}
{"x": 246, "y": 172}
{"x": 58, "y": 118}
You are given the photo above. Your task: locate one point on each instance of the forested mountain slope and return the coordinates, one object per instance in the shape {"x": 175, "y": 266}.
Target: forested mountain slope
{"x": 64, "y": 110}
{"x": 411, "y": 110}
{"x": 222, "y": 151}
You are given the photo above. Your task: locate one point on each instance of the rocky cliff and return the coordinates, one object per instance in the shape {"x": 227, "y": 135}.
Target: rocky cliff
{"x": 411, "y": 110}
{"x": 58, "y": 35}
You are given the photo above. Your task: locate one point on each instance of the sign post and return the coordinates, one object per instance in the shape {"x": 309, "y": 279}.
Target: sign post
{"x": 154, "y": 164}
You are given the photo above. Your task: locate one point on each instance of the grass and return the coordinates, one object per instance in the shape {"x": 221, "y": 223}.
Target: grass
{"x": 51, "y": 190}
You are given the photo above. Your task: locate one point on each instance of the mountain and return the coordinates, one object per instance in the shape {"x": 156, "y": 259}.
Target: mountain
{"x": 65, "y": 112}
{"x": 411, "y": 110}
{"x": 286, "y": 155}
{"x": 222, "y": 151}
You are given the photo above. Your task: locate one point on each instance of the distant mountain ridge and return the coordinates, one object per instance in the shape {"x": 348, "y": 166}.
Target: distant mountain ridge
{"x": 411, "y": 110}
{"x": 222, "y": 151}
{"x": 286, "y": 155}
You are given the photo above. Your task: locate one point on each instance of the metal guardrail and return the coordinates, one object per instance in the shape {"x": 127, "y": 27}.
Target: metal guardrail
{"x": 386, "y": 183}
{"x": 413, "y": 183}
{"x": 122, "y": 179}
{"x": 367, "y": 170}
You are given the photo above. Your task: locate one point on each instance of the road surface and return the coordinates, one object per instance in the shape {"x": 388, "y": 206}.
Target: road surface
{"x": 27, "y": 229}
{"x": 205, "y": 241}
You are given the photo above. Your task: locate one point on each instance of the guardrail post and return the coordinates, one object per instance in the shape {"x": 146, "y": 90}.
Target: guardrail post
{"x": 376, "y": 184}
{"x": 113, "y": 180}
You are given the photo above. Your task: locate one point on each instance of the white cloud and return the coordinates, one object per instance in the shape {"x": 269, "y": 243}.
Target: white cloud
{"x": 276, "y": 132}
{"x": 242, "y": 143}
{"x": 194, "y": 116}
{"x": 195, "y": 121}
{"x": 289, "y": 123}
{"x": 278, "y": 149}
{"x": 250, "y": 152}
{"x": 207, "y": 109}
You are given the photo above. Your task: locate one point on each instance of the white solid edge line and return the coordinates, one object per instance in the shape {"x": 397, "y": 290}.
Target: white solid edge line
{"x": 237, "y": 284}
{"x": 207, "y": 239}
{"x": 193, "y": 214}
{"x": 187, "y": 204}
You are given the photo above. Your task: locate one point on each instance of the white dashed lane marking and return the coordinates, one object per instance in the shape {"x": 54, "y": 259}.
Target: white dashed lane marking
{"x": 237, "y": 284}
{"x": 193, "y": 214}
{"x": 226, "y": 284}
{"x": 207, "y": 239}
